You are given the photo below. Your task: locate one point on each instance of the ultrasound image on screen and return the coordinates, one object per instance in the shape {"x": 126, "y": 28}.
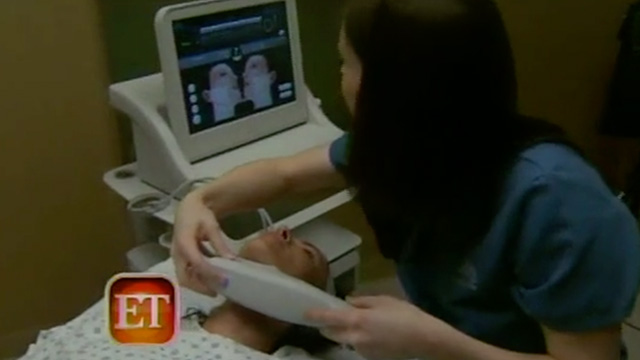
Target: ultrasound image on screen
{"x": 234, "y": 64}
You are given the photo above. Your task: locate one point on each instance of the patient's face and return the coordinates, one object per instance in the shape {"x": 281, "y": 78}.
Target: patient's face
{"x": 256, "y": 65}
{"x": 290, "y": 255}
{"x": 223, "y": 76}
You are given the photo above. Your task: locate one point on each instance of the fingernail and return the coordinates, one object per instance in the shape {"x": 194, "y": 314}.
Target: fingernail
{"x": 224, "y": 283}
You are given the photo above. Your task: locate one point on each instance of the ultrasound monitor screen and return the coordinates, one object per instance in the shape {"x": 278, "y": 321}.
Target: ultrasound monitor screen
{"x": 234, "y": 64}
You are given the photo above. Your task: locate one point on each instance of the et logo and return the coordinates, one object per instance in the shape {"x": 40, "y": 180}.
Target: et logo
{"x": 142, "y": 309}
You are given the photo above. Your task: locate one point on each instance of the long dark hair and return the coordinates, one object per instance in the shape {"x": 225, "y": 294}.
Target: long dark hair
{"x": 436, "y": 125}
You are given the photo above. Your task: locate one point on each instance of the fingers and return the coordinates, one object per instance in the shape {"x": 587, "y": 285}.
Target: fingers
{"x": 201, "y": 278}
{"x": 189, "y": 279}
{"x": 190, "y": 262}
{"x": 211, "y": 277}
{"x": 331, "y": 317}
{"x": 339, "y": 335}
{"x": 184, "y": 245}
{"x": 342, "y": 326}
{"x": 216, "y": 239}
{"x": 194, "y": 225}
{"x": 366, "y": 302}
{"x": 199, "y": 283}
{"x": 205, "y": 250}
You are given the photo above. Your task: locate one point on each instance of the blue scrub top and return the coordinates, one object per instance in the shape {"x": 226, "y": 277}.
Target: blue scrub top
{"x": 563, "y": 251}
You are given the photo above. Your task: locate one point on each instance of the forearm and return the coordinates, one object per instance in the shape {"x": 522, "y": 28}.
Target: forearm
{"x": 245, "y": 188}
{"x": 256, "y": 184}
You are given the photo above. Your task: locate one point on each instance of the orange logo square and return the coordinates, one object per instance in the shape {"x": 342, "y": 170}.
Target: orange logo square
{"x": 142, "y": 309}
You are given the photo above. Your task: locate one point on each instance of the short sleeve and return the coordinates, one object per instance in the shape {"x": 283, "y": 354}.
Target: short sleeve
{"x": 577, "y": 258}
{"x": 338, "y": 152}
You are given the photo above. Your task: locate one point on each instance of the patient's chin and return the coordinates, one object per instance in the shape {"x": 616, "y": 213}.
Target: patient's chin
{"x": 266, "y": 259}
{"x": 261, "y": 252}
{"x": 255, "y": 255}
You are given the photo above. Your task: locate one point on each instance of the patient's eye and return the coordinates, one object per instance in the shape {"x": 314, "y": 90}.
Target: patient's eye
{"x": 310, "y": 254}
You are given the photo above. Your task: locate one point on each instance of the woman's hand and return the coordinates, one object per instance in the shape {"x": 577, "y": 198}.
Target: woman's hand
{"x": 382, "y": 327}
{"x": 194, "y": 224}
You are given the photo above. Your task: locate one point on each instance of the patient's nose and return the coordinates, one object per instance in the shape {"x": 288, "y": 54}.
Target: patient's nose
{"x": 285, "y": 234}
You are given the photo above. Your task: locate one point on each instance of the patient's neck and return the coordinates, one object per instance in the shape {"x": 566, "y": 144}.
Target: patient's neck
{"x": 246, "y": 327}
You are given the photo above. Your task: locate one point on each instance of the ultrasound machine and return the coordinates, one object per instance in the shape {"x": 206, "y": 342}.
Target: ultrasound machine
{"x": 231, "y": 91}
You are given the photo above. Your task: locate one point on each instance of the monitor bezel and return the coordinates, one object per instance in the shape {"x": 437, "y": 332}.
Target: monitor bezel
{"x": 241, "y": 131}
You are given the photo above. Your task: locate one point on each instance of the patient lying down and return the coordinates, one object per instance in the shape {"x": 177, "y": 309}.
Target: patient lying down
{"x": 230, "y": 331}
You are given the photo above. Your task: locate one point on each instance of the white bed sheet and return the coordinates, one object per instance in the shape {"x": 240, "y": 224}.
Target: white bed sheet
{"x": 85, "y": 336}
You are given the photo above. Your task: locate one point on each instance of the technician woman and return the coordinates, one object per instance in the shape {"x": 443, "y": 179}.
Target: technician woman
{"x": 508, "y": 243}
